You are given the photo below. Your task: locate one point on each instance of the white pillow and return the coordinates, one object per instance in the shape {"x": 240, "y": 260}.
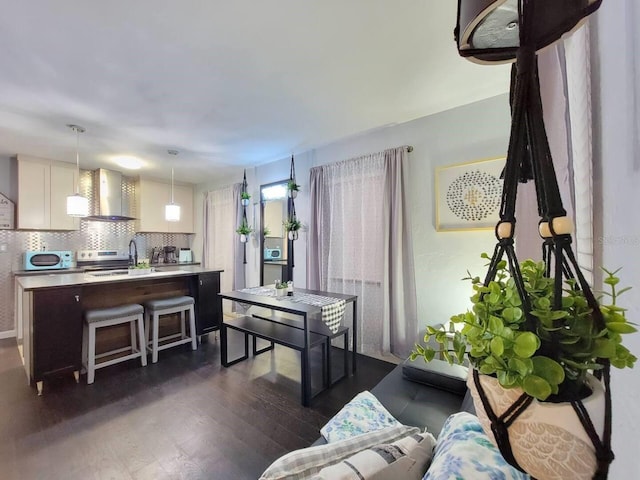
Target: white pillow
{"x": 364, "y": 413}
{"x": 405, "y": 459}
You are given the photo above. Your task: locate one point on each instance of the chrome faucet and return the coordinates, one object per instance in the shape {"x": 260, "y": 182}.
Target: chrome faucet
{"x": 133, "y": 260}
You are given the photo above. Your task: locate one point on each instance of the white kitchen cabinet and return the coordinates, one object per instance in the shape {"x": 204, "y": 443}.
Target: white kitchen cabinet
{"x": 43, "y": 187}
{"x": 151, "y": 198}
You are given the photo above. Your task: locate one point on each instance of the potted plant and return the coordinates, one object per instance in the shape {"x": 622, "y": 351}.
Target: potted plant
{"x": 281, "y": 288}
{"x": 266, "y": 231}
{"x": 244, "y": 198}
{"x": 292, "y": 188}
{"x": 292, "y": 225}
{"x": 142, "y": 268}
{"x": 244, "y": 230}
{"x": 548, "y": 355}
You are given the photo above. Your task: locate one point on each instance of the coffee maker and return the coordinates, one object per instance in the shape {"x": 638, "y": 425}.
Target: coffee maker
{"x": 170, "y": 255}
{"x": 157, "y": 255}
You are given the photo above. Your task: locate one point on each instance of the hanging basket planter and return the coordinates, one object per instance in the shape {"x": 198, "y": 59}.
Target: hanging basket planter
{"x": 244, "y": 202}
{"x": 536, "y": 330}
{"x": 243, "y": 238}
{"x": 292, "y": 187}
{"x": 547, "y": 439}
{"x": 291, "y": 226}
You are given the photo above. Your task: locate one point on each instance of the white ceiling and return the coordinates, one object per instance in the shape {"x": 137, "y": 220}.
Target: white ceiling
{"x": 225, "y": 82}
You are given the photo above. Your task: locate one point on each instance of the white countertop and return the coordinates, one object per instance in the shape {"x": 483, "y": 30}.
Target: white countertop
{"x": 68, "y": 279}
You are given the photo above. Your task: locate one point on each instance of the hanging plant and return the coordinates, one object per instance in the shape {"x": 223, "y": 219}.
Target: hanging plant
{"x": 549, "y": 362}
{"x": 244, "y": 198}
{"x": 538, "y": 365}
{"x": 292, "y": 188}
{"x": 243, "y": 230}
{"x": 291, "y": 226}
{"x": 266, "y": 232}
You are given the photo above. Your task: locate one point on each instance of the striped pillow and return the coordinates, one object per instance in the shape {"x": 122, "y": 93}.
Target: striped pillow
{"x": 307, "y": 462}
{"x": 406, "y": 459}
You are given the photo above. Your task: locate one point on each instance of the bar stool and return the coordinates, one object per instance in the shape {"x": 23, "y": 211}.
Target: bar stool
{"x": 153, "y": 309}
{"x": 106, "y": 317}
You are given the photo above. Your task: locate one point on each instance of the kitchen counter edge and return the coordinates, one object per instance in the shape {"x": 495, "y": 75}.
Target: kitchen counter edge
{"x": 56, "y": 280}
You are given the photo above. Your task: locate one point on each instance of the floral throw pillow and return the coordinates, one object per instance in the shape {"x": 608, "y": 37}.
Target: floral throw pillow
{"x": 364, "y": 413}
{"x": 464, "y": 451}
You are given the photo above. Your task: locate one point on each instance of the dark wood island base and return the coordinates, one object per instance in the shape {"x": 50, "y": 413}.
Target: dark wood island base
{"x": 53, "y": 308}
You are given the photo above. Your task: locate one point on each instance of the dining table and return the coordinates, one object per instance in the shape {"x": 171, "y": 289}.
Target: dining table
{"x": 304, "y": 304}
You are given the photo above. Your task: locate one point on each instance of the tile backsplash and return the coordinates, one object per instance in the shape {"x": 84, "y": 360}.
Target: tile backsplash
{"x": 92, "y": 235}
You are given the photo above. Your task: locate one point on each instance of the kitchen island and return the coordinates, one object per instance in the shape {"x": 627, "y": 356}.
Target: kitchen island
{"x": 50, "y": 311}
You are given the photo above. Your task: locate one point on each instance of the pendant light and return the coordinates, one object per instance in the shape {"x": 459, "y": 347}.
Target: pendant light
{"x": 172, "y": 211}
{"x": 77, "y": 205}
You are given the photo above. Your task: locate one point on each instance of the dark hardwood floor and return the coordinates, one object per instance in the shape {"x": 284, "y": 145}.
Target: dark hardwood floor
{"x": 184, "y": 417}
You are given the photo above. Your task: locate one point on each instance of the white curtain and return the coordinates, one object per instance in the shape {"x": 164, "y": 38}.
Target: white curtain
{"x": 222, "y": 247}
{"x": 360, "y": 243}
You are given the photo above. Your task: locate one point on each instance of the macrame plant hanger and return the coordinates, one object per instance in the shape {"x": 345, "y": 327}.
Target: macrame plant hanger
{"x": 244, "y": 215}
{"x": 529, "y": 158}
{"x": 292, "y": 217}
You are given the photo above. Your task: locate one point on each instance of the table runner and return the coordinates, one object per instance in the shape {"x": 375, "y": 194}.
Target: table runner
{"x": 332, "y": 308}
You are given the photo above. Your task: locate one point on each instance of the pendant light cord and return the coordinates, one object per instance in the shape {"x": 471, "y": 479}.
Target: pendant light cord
{"x": 172, "y": 186}
{"x": 78, "y": 129}
{"x": 77, "y": 161}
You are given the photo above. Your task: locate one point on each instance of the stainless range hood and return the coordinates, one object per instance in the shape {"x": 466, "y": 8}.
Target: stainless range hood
{"x": 108, "y": 205}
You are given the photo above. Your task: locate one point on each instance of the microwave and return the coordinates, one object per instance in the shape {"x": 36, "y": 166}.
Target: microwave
{"x": 272, "y": 254}
{"x": 48, "y": 260}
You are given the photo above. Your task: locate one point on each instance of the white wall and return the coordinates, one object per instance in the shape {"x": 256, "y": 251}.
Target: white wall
{"x": 476, "y": 131}
{"x": 616, "y": 83}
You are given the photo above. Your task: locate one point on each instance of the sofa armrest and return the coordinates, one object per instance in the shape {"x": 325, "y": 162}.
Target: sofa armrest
{"x": 437, "y": 373}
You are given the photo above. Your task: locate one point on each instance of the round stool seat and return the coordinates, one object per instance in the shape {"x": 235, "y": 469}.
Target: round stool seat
{"x": 101, "y": 314}
{"x": 166, "y": 303}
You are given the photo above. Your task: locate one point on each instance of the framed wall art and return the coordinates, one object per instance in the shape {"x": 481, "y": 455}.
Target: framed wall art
{"x": 468, "y": 195}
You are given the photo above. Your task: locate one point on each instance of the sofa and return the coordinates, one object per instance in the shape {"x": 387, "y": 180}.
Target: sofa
{"x": 418, "y": 422}
{"x": 423, "y": 394}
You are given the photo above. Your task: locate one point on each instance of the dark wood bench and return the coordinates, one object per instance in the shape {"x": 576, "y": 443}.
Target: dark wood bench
{"x": 316, "y": 326}
{"x": 282, "y": 334}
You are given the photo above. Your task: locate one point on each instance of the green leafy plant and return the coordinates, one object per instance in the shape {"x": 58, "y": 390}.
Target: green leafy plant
{"x": 140, "y": 265}
{"x": 266, "y": 232}
{"x": 293, "y": 186}
{"x": 292, "y": 225}
{"x": 244, "y": 229}
{"x": 245, "y": 195}
{"x": 548, "y": 353}
{"x": 280, "y": 285}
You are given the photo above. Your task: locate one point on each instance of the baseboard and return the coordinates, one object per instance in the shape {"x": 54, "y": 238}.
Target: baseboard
{"x": 8, "y": 334}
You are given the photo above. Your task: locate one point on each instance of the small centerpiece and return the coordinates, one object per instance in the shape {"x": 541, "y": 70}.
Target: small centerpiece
{"x": 281, "y": 288}
{"x": 244, "y": 198}
{"x": 142, "y": 268}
